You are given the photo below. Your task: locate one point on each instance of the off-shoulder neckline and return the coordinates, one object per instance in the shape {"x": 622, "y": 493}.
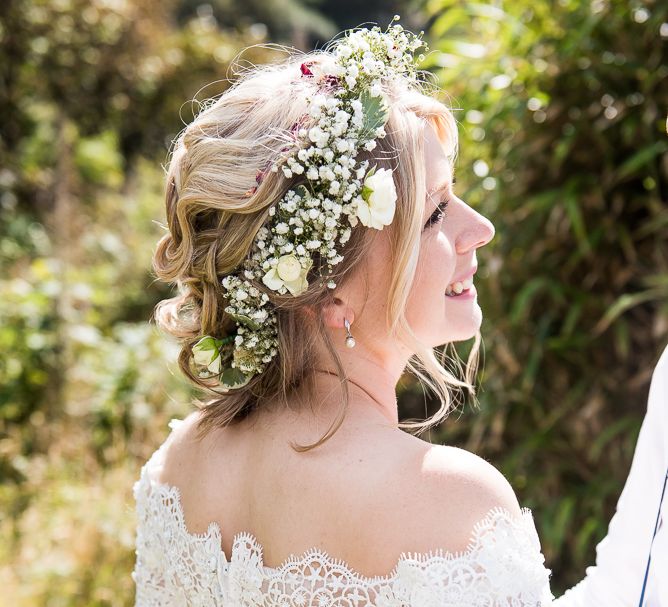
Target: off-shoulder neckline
{"x": 423, "y": 558}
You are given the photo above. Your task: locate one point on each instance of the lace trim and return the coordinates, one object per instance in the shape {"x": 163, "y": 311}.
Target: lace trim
{"x": 502, "y": 560}
{"x": 169, "y": 493}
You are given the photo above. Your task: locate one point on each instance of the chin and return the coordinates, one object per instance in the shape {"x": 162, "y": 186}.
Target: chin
{"x": 463, "y": 332}
{"x": 451, "y": 328}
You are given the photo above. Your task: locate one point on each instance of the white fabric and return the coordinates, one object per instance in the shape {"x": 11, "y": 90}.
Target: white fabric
{"x": 621, "y": 557}
{"x": 502, "y": 567}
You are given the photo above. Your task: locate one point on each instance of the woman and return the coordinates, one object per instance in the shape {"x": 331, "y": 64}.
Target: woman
{"x": 308, "y": 237}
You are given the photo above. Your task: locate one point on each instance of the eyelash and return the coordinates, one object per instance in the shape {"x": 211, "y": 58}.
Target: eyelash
{"x": 438, "y": 214}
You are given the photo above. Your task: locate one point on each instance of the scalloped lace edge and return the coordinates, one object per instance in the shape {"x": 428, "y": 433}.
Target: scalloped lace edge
{"x": 165, "y": 491}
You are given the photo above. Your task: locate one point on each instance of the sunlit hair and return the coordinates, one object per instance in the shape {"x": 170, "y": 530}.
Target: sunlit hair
{"x": 213, "y": 214}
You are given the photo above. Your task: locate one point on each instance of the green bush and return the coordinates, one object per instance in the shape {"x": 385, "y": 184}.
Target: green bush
{"x": 562, "y": 110}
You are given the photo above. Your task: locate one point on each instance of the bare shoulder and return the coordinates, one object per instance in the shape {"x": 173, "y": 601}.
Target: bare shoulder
{"x": 180, "y": 448}
{"x": 436, "y": 502}
{"x": 182, "y": 432}
{"x": 478, "y": 484}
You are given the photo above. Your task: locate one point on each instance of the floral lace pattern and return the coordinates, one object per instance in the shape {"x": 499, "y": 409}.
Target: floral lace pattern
{"x": 502, "y": 566}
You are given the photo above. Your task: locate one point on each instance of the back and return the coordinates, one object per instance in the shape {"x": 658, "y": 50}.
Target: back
{"x": 226, "y": 520}
{"x": 368, "y": 494}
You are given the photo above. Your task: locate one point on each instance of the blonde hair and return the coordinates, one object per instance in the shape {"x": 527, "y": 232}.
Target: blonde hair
{"x": 214, "y": 212}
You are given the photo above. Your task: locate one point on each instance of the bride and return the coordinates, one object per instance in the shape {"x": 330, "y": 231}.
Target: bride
{"x": 320, "y": 251}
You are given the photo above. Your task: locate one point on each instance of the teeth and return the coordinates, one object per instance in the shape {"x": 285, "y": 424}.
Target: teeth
{"x": 456, "y": 288}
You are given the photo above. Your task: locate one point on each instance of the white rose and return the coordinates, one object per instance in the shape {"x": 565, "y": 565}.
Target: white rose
{"x": 202, "y": 357}
{"x": 379, "y": 196}
{"x": 206, "y": 354}
{"x": 288, "y": 272}
{"x": 215, "y": 365}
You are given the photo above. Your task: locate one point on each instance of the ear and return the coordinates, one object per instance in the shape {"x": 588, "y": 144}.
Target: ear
{"x": 333, "y": 313}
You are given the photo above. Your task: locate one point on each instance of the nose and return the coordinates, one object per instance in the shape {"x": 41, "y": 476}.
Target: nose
{"x": 476, "y": 230}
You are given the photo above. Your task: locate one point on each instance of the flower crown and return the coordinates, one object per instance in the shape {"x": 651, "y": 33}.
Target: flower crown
{"x": 347, "y": 113}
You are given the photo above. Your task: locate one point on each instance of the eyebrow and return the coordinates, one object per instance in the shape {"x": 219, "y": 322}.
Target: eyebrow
{"x": 442, "y": 186}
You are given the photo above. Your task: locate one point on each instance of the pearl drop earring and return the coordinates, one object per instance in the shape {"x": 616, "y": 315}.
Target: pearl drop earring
{"x": 350, "y": 340}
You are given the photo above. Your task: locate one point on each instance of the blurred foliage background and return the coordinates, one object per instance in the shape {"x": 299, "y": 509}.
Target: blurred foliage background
{"x": 562, "y": 111}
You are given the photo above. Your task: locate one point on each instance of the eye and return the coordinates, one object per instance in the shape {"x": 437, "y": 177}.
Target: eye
{"x": 438, "y": 214}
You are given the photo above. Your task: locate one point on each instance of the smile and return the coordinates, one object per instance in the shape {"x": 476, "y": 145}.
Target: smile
{"x": 457, "y": 288}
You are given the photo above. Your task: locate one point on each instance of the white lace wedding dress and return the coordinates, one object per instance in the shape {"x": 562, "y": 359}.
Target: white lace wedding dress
{"x": 502, "y": 566}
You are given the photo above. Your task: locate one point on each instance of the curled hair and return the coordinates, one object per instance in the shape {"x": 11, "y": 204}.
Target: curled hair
{"x": 216, "y": 203}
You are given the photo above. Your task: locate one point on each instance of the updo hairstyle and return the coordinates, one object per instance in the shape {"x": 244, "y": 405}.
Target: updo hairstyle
{"x": 215, "y": 206}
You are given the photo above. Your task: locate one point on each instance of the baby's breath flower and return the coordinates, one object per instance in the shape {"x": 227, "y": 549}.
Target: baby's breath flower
{"x": 309, "y": 218}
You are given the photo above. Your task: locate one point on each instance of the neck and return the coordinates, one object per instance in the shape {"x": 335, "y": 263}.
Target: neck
{"x": 372, "y": 369}
{"x": 372, "y": 387}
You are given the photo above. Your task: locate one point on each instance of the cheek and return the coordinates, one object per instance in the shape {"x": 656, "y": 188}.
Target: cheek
{"x": 426, "y": 303}
{"x": 436, "y": 263}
